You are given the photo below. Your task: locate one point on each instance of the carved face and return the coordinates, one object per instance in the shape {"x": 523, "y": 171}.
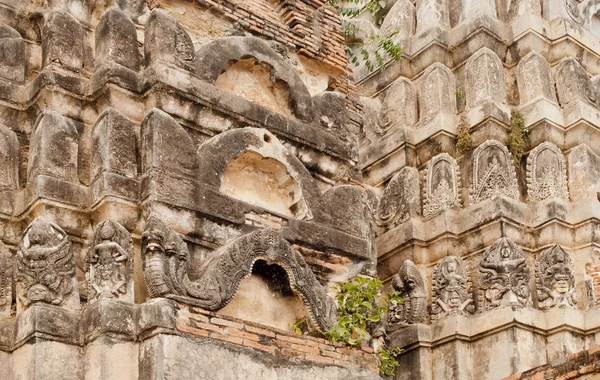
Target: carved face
{"x": 38, "y": 293}
{"x": 562, "y": 283}
{"x": 451, "y": 267}
{"x": 505, "y": 252}
{"x": 454, "y": 299}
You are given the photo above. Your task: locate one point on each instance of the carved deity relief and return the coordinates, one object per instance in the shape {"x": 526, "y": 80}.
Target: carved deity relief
{"x": 399, "y": 199}
{"x": 573, "y": 83}
{"x": 451, "y": 289}
{"x": 45, "y": 265}
{"x": 504, "y": 275}
{"x": 6, "y": 280}
{"x": 485, "y": 78}
{"x": 493, "y": 172}
{"x": 554, "y": 279}
{"x": 410, "y": 284}
{"x": 432, "y": 14}
{"x": 534, "y": 78}
{"x": 437, "y": 92}
{"x": 109, "y": 263}
{"x": 546, "y": 173}
{"x": 441, "y": 184}
{"x": 399, "y": 106}
{"x": 165, "y": 255}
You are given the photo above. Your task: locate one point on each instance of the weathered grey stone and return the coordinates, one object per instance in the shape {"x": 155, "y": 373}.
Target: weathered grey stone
{"x": 165, "y": 40}
{"x": 109, "y": 263}
{"x": 442, "y": 184}
{"x": 6, "y": 281}
{"x": 573, "y": 84}
{"x": 109, "y": 318}
{"x": 399, "y": 106}
{"x": 432, "y": 14}
{"x": 331, "y": 106}
{"x": 523, "y": 7}
{"x": 411, "y": 286}
{"x": 54, "y": 148}
{"x": 437, "y": 92}
{"x": 12, "y": 54}
{"x": 9, "y": 159}
{"x": 493, "y": 172}
{"x": 472, "y": 9}
{"x": 344, "y": 203}
{"x": 62, "y": 40}
{"x": 401, "y": 19}
{"x": 554, "y": 279}
{"x": 534, "y": 79}
{"x": 584, "y": 173}
{"x": 400, "y": 200}
{"x": 116, "y": 40}
{"x": 546, "y": 173}
{"x": 485, "y": 76}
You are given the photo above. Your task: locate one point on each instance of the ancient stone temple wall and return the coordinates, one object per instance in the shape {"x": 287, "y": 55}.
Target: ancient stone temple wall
{"x": 493, "y": 244}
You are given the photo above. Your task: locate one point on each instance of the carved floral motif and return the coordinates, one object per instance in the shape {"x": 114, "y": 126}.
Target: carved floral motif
{"x": 165, "y": 255}
{"x": 493, "y": 172}
{"x": 504, "y": 275}
{"x": 109, "y": 263}
{"x": 546, "y": 173}
{"x": 554, "y": 279}
{"x": 451, "y": 289}
{"x": 441, "y": 184}
{"x": 412, "y": 287}
{"x": 45, "y": 267}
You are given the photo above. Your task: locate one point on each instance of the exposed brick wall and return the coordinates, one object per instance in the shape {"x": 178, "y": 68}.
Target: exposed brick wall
{"x": 310, "y": 27}
{"x": 593, "y": 270}
{"x": 265, "y": 220}
{"x": 207, "y": 324}
{"x": 582, "y": 365}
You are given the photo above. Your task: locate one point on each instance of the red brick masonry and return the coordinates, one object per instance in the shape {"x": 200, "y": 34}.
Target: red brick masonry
{"x": 203, "y": 323}
{"x": 582, "y": 365}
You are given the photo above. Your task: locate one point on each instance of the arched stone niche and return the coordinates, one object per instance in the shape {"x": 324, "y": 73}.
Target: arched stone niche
{"x": 251, "y": 165}
{"x": 251, "y": 69}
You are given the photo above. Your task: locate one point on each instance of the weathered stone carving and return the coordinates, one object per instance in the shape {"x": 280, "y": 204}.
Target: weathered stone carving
{"x": 400, "y": 200}
{"x": 584, "y": 173}
{"x": 572, "y": 7}
{"x": 554, "y": 279}
{"x": 442, "y": 180}
{"x": 400, "y": 18}
{"x": 573, "y": 84}
{"x": 503, "y": 275}
{"x": 9, "y": 159}
{"x": 109, "y": 263}
{"x": 437, "y": 92}
{"x": 165, "y": 256}
{"x": 62, "y": 40}
{"x": 6, "y": 280}
{"x": 410, "y": 284}
{"x": 432, "y": 14}
{"x": 485, "y": 78}
{"x": 45, "y": 266}
{"x": 116, "y": 40}
{"x": 546, "y": 173}
{"x": 166, "y": 40}
{"x": 12, "y": 54}
{"x": 451, "y": 289}
{"x": 476, "y": 8}
{"x": 534, "y": 78}
{"x": 521, "y": 7}
{"x": 399, "y": 106}
{"x": 493, "y": 172}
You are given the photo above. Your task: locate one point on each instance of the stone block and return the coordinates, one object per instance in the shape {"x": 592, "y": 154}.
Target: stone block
{"x": 12, "y": 54}
{"x": 167, "y": 41}
{"x": 116, "y": 40}
{"x": 62, "y": 41}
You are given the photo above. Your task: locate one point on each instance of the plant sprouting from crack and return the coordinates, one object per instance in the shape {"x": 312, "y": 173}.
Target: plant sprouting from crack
{"x": 388, "y": 361}
{"x": 519, "y": 132}
{"x": 463, "y": 140}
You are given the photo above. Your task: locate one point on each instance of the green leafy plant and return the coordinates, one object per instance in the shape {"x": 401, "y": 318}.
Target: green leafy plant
{"x": 464, "y": 140}
{"x": 372, "y": 52}
{"x": 519, "y": 132}
{"x": 460, "y": 96}
{"x": 299, "y": 326}
{"x": 360, "y": 302}
{"x": 387, "y": 360}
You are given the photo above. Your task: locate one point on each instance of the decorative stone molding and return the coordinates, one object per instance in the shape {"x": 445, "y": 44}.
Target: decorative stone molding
{"x": 45, "y": 266}
{"x": 493, "y": 173}
{"x": 409, "y": 282}
{"x": 554, "y": 279}
{"x": 451, "y": 289}
{"x": 442, "y": 181}
{"x": 6, "y": 281}
{"x": 109, "y": 263}
{"x": 165, "y": 255}
{"x": 546, "y": 173}
{"x": 503, "y": 276}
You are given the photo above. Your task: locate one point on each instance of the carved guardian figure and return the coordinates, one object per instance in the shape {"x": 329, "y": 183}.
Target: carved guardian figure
{"x": 109, "y": 263}
{"x": 165, "y": 255}
{"x": 493, "y": 172}
{"x": 503, "y": 275}
{"x": 554, "y": 279}
{"x": 410, "y": 284}
{"x": 45, "y": 267}
{"x": 451, "y": 289}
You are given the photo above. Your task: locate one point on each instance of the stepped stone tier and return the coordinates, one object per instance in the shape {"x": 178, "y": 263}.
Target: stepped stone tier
{"x": 183, "y": 182}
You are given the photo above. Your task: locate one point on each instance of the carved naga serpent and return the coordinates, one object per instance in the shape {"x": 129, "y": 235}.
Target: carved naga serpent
{"x": 165, "y": 256}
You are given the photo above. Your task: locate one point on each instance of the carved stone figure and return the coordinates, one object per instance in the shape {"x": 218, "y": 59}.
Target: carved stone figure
{"x": 451, "y": 289}
{"x": 554, "y": 279}
{"x": 412, "y": 287}
{"x": 6, "y": 280}
{"x": 493, "y": 172}
{"x": 400, "y": 199}
{"x": 546, "y": 173}
{"x": 165, "y": 255}
{"x": 485, "y": 77}
{"x": 437, "y": 92}
{"x": 441, "y": 184}
{"x": 109, "y": 263}
{"x": 504, "y": 275}
{"x": 399, "y": 106}
{"x": 45, "y": 266}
